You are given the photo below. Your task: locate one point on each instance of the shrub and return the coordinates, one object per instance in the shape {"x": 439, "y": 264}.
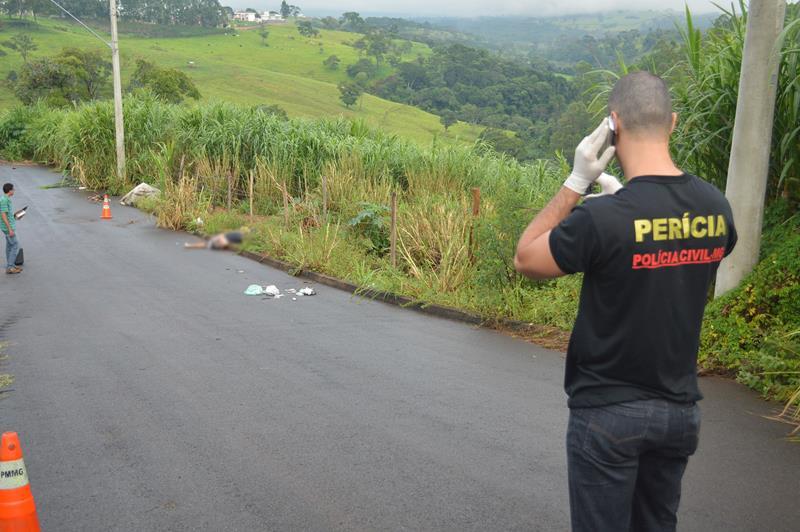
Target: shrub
{"x": 16, "y": 142}
{"x": 744, "y": 329}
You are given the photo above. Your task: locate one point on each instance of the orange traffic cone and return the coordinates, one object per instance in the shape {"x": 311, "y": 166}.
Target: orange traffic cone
{"x": 17, "y": 509}
{"x": 106, "y": 209}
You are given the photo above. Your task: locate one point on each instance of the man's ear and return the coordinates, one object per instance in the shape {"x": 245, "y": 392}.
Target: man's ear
{"x": 674, "y": 123}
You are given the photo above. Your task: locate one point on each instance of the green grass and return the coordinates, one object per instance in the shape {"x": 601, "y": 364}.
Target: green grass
{"x": 288, "y": 72}
{"x": 6, "y": 379}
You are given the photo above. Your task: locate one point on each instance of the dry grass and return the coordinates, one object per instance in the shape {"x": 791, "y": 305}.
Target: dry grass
{"x": 433, "y": 241}
{"x": 181, "y": 202}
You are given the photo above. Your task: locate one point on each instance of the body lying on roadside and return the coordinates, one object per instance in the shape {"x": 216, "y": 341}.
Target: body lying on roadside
{"x": 220, "y": 241}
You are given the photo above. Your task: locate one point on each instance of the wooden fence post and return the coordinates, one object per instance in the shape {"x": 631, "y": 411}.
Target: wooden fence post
{"x": 285, "y": 205}
{"x": 230, "y": 189}
{"x": 251, "y": 195}
{"x": 324, "y": 198}
{"x": 393, "y": 231}
{"x": 476, "y": 211}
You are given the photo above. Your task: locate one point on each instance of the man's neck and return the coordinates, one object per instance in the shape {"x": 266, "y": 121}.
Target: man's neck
{"x": 648, "y": 158}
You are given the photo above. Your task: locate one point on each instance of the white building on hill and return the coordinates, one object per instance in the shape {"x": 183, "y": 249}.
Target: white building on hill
{"x": 271, "y": 16}
{"x": 245, "y": 16}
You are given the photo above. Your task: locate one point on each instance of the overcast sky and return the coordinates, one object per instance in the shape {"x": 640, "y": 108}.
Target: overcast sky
{"x": 473, "y": 8}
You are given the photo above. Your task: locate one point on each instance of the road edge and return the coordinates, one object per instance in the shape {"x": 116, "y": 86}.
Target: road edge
{"x": 543, "y": 336}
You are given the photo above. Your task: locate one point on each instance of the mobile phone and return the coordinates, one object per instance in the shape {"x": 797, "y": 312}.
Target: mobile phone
{"x": 612, "y": 136}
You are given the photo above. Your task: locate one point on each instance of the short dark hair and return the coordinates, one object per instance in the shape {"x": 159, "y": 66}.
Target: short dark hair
{"x": 643, "y": 103}
{"x": 8, "y": 187}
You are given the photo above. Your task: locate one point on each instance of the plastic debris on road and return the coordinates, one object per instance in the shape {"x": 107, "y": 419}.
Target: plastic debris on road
{"x": 254, "y": 290}
{"x": 272, "y": 290}
{"x": 142, "y": 190}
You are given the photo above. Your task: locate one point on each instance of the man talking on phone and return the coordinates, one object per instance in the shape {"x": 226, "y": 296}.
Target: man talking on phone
{"x": 649, "y": 252}
{"x": 8, "y": 226}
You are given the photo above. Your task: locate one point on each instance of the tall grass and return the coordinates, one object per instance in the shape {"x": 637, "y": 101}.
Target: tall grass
{"x": 204, "y": 156}
{"x": 706, "y": 99}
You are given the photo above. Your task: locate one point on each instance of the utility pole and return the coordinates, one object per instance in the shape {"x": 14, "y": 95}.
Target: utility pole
{"x": 748, "y": 169}
{"x": 118, "y": 123}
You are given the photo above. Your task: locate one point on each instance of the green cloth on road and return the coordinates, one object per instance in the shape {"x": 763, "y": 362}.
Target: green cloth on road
{"x": 6, "y": 207}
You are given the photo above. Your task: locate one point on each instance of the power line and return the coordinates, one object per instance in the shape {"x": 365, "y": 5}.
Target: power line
{"x": 79, "y": 21}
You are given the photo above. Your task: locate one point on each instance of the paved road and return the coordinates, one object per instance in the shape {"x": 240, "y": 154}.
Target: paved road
{"x": 152, "y": 395}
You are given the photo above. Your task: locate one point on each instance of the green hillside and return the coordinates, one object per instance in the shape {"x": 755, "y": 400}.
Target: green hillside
{"x": 237, "y": 68}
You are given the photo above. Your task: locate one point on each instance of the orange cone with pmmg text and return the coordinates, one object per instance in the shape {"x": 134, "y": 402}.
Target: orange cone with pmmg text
{"x": 17, "y": 509}
{"x": 106, "y": 209}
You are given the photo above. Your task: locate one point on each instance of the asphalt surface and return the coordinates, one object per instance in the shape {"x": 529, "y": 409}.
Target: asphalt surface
{"x": 151, "y": 394}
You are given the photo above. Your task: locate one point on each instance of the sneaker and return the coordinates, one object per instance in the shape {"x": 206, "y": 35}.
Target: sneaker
{"x": 14, "y": 270}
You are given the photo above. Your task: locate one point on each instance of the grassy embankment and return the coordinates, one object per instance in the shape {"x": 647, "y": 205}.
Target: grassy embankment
{"x": 289, "y": 72}
{"x": 363, "y": 167}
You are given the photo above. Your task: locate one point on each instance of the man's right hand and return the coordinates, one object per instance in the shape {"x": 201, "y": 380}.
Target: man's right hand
{"x": 587, "y": 166}
{"x": 11, "y": 233}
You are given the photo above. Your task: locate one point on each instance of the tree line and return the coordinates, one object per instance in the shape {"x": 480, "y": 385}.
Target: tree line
{"x": 206, "y": 13}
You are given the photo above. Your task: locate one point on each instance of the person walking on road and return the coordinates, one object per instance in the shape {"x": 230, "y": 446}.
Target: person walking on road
{"x": 649, "y": 252}
{"x": 8, "y": 226}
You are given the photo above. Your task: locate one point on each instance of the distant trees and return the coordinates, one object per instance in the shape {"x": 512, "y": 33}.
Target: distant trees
{"x": 288, "y": 10}
{"x": 168, "y": 84}
{"x": 349, "y": 93}
{"x": 23, "y": 44}
{"x": 362, "y": 65}
{"x": 74, "y": 75}
{"x": 332, "y": 62}
{"x": 375, "y": 43}
{"x": 352, "y": 21}
{"x": 306, "y": 29}
{"x": 447, "y": 119}
{"x": 207, "y": 13}
{"x": 570, "y": 127}
{"x": 480, "y": 87}
{"x": 330, "y": 23}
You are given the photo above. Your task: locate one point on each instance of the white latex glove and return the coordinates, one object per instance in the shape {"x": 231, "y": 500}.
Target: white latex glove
{"x": 608, "y": 185}
{"x": 588, "y": 167}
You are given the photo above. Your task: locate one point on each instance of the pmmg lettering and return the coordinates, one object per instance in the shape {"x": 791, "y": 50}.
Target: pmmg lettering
{"x": 661, "y": 229}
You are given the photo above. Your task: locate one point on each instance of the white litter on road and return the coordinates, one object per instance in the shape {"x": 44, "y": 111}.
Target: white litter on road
{"x": 272, "y": 291}
{"x": 142, "y": 190}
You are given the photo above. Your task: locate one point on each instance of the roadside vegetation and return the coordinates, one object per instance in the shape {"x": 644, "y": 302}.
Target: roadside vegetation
{"x": 6, "y": 379}
{"x": 204, "y": 157}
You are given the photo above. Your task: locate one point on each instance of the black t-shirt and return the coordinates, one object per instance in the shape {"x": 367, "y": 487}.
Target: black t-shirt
{"x": 648, "y": 253}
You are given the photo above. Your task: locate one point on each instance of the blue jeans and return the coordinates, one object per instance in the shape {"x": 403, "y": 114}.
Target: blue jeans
{"x": 626, "y": 462}
{"x": 12, "y": 248}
